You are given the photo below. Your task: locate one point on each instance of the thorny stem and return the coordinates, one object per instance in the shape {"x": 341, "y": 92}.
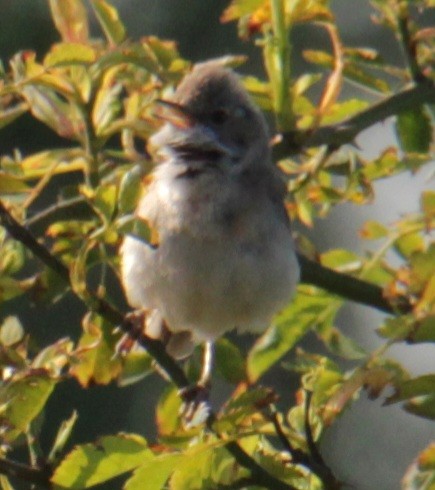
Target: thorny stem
{"x": 280, "y": 69}
{"x": 408, "y": 44}
{"x": 345, "y": 132}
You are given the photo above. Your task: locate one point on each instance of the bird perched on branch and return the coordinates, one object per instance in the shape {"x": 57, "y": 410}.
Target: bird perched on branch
{"x": 225, "y": 257}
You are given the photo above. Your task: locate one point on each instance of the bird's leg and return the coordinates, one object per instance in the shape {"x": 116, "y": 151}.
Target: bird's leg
{"x": 207, "y": 364}
{"x": 195, "y": 408}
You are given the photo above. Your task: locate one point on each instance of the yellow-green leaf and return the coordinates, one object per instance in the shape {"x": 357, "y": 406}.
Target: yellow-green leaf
{"x": 92, "y": 464}
{"x": 303, "y": 313}
{"x": 95, "y": 359}
{"x": 70, "y": 19}
{"x": 23, "y": 399}
{"x": 153, "y": 473}
{"x": 9, "y": 184}
{"x": 109, "y": 20}
{"x": 69, "y": 54}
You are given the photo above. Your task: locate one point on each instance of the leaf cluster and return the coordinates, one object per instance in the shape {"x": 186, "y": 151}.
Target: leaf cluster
{"x": 98, "y": 95}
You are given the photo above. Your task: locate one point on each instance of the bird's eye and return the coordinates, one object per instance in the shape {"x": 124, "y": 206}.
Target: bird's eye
{"x": 219, "y": 116}
{"x": 241, "y": 112}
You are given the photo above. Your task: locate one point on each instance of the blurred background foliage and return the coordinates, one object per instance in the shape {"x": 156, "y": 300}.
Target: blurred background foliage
{"x": 83, "y": 118}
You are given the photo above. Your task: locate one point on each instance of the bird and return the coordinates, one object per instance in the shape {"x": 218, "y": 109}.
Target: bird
{"x": 225, "y": 257}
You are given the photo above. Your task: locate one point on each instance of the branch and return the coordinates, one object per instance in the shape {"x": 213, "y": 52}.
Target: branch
{"x": 349, "y": 287}
{"x": 93, "y": 302}
{"x": 345, "y": 132}
{"x": 155, "y": 348}
{"x": 24, "y": 472}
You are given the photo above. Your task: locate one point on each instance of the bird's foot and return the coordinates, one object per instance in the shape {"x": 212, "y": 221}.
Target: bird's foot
{"x": 196, "y": 407}
{"x": 134, "y": 326}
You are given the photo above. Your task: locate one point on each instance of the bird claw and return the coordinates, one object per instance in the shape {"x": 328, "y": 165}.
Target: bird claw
{"x": 135, "y": 321}
{"x": 196, "y": 407}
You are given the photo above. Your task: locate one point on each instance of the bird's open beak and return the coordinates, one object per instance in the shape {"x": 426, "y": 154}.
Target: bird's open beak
{"x": 175, "y": 114}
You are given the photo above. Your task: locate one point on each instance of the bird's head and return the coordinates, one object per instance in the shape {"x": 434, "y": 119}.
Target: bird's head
{"x": 211, "y": 117}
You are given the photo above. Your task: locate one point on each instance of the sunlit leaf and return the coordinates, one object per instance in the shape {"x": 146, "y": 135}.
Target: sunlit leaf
{"x": 62, "y": 436}
{"x": 109, "y": 20}
{"x": 56, "y": 161}
{"x": 71, "y": 20}
{"x": 303, "y": 313}
{"x": 240, "y": 8}
{"x": 130, "y": 189}
{"x": 9, "y": 184}
{"x": 136, "y": 366}
{"x": 96, "y": 362}
{"x": 342, "y": 260}
{"x": 373, "y": 230}
{"x": 50, "y": 109}
{"x": 153, "y": 474}
{"x": 11, "y": 331}
{"x": 23, "y": 399}
{"x": 91, "y": 464}
{"x": 69, "y": 54}
{"x": 168, "y": 411}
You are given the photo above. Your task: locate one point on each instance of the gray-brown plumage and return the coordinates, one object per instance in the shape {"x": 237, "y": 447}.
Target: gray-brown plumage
{"x": 225, "y": 257}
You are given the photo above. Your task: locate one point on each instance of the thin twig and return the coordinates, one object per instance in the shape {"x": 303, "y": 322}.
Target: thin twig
{"x": 55, "y": 208}
{"x": 313, "y": 461}
{"x": 409, "y": 46}
{"x": 317, "y": 462}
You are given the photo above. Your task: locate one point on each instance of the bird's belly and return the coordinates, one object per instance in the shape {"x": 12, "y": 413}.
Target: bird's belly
{"x": 210, "y": 287}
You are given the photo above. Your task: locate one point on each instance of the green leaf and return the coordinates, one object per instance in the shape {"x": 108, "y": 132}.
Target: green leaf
{"x": 107, "y": 104}
{"x": 415, "y": 387}
{"x": 240, "y": 8}
{"x": 303, "y": 313}
{"x": 50, "y": 109}
{"x": 11, "y": 288}
{"x": 92, "y": 464}
{"x": 373, "y": 230}
{"x": 423, "y": 406}
{"x": 109, "y": 20}
{"x": 136, "y": 366}
{"x": 11, "y": 331}
{"x": 168, "y": 411}
{"x": 8, "y": 116}
{"x": 69, "y": 54}
{"x": 96, "y": 362}
{"x": 414, "y": 130}
{"x": 153, "y": 474}
{"x": 242, "y": 406}
{"x": 22, "y": 400}
{"x": 9, "y": 184}
{"x": 130, "y": 189}
{"x": 343, "y": 110}
{"x": 229, "y": 361}
{"x": 71, "y": 20}
{"x": 105, "y": 201}
{"x": 55, "y": 162}
{"x": 341, "y": 260}
{"x": 62, "y": 437}
{"x": 343, "y": 346}
{"x": 428, "y": 204}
